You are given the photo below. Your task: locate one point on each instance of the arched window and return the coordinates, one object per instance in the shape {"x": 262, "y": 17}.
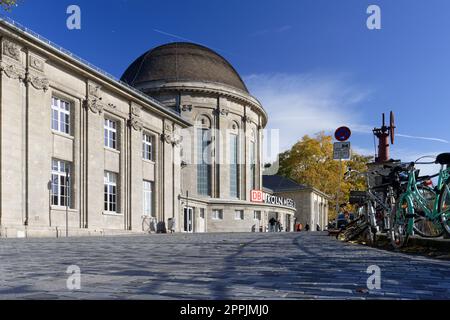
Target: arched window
{"x": 234, "y": 160}
{"x": 203, "y": 143}
{"x": 253, "y": 159}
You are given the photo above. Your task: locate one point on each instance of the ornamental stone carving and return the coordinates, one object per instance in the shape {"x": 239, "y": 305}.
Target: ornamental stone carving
{"x": 173, "y": 139}
{"x": 168, "y": 127}
{"x": 12, "y": 71}
{"x": 167, "y": 138}
{"x": 94, "y": 100}
{"x": 11, "y": 50}
{"x": 135, "y": 110}
{"x": 223, "y": 112}
{"x": 36, "y": 63}
{"x": 186, "y": 107}
{"x": 94, "y": 90}
{"x": 135, "y": 123}
{"x": 94, "y": 104}
{"x": 246, "y": 119}
{"x": 39, "y": 83}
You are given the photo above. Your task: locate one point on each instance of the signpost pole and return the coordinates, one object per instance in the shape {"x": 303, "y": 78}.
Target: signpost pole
{"x": 342, "y": 135}
{"x": 339, "y": 189}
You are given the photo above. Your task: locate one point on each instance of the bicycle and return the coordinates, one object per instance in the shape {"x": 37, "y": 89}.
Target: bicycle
{"x": 422, "y": 209}
{"x": 377, "y": 199}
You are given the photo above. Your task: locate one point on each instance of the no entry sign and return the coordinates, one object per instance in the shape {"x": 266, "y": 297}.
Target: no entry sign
{"x": 343, "y": 134}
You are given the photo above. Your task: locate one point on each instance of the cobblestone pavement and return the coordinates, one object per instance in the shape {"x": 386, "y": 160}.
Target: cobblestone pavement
{"x": 214, "y": 266}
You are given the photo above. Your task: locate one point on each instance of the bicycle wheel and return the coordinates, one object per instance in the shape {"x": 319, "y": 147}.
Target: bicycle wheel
{"x": 399, "y": 231}
{"x": 444, "y": 207}
{"x": 422, "y": 226}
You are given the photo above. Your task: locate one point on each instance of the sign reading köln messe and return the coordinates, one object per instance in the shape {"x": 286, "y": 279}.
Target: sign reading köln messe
{"x": 263, "y": 197}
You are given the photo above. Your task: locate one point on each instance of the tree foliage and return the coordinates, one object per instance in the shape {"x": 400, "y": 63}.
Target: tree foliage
{"x": 310, "y": 161}
{"x": 8, "y": 4}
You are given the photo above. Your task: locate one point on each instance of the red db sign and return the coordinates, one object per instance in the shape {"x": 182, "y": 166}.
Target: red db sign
{"x": 256, "y": 196}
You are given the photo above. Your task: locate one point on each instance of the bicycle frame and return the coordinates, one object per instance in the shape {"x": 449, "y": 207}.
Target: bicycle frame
{"x": 412, "y": 195}
{"x": 369, "y": 207}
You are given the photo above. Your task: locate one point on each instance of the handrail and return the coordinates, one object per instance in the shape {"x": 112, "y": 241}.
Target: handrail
{"x": 29, "y": 32}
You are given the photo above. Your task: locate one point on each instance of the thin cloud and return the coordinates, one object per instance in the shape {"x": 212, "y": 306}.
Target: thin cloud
{"x": 299, "y": 104}
{"x": 188, "y": 40}
{"x": 422, "y": 138}
{"x": 271, "y": 31}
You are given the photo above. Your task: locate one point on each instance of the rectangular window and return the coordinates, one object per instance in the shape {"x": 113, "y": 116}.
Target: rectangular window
{"x": 60, "y": 115}
{"x": 110, "y": 134}
{"x": 148, "y": 142}
{"x": 110, "y": 199}
{"x": 60, "y": 184}
{"x": 257, "y": 215}
{"x": 148, "y": 198}
{"x": 203, "y": 162}
{"x": 234, "y": 170}
{"x": 239, "y": 215}
{"x": 217, "y": 214}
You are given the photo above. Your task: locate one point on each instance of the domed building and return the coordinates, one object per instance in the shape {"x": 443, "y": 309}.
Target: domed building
{"x": 175, "y": 146}
{"x": 222, "y": 153}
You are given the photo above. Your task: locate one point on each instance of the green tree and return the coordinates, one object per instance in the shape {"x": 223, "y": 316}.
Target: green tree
{"x": 8, "y": 4}
{"x": 310, "y": 161}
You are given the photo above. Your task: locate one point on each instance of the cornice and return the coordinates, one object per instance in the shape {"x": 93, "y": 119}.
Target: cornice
{"x": 208, "y": 88}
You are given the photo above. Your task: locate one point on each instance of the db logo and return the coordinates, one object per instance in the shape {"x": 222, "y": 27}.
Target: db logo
{"x": 256, "y": 196}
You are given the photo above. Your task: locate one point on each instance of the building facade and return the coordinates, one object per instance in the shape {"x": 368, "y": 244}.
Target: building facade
{"x": 311, "y": 204}
{"x": 176, "y": 144}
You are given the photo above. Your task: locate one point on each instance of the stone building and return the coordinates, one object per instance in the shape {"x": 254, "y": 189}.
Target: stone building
{"x": 176, "y": 143}
{"x": 311, "y": 204}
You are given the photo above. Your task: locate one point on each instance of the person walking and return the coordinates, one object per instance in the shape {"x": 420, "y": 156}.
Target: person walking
{"x": 307, "y": 227}
{"x": 272, "y": 222}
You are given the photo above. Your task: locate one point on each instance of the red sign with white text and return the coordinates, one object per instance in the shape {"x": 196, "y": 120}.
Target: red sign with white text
{"x": 256, "y": 196}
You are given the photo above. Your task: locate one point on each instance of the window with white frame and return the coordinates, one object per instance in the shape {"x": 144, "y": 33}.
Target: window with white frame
{"x": 110, "y": 199}
{"x": 257, "y": 215}
{"x": 148, "y": 151}
{"x": 234, "y": 165}
{"x": 110, "y": 134}
{"x": 148, "y": 198}
{"x": 60, "y": 115}
{"x": 217, "y": 214}
{"x": 60, "y": 184}
{"x": 252, "y": 165}
{"x": 204, "y": 162}
{"x": 239, "y": 215}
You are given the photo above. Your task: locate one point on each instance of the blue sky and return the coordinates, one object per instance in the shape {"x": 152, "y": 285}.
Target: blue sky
{"x": 313, "y": 63}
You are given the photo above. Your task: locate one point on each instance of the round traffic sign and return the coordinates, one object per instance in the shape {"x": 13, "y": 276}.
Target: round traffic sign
{"x": 343, "y": 134}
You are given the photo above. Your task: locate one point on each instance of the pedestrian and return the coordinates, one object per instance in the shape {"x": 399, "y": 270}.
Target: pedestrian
{"x": 307, "y": 227}
{"x": 171, "y": 224}
{"x": 318, "y": 228}
{"x": 272, "y": 222}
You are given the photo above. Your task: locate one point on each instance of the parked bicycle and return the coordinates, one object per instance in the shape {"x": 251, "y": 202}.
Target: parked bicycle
{"x": 421, "y": 208}
{"x": 373, "y": 208}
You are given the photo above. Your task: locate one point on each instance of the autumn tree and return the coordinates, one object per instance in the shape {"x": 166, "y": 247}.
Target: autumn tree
{"x": 8, "y": 4}
{"x": 310, "y": 161}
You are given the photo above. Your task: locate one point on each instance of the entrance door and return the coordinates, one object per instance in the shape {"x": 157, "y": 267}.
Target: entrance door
{"x": 201, "y": 221}
{"x": 188, "y": 220}
{"x": 273, "y": 216}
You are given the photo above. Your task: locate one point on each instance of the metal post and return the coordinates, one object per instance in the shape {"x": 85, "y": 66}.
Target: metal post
{"x": 339, "y": 190}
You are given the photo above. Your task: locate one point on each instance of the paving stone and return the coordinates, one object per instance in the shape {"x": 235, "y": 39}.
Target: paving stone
{"x": 290, "y": 266}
